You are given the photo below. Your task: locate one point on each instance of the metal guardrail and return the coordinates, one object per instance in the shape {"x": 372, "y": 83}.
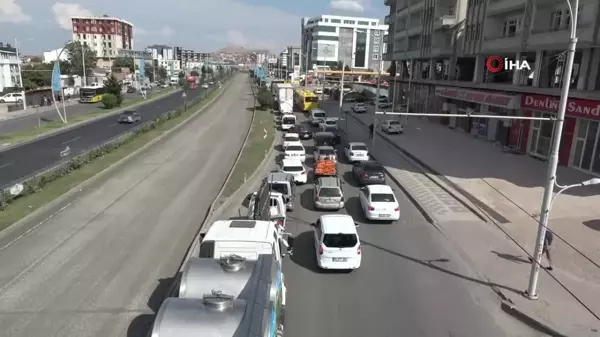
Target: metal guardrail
{"x": 69, "y": 162}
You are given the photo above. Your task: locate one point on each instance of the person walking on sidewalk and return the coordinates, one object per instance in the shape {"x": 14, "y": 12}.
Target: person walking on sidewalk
{"x": 371, "y": 130}
{"x": 548, "y": 238}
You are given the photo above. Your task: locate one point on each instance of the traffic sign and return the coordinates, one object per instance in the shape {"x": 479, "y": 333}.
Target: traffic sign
{"x": 184, "y": 95}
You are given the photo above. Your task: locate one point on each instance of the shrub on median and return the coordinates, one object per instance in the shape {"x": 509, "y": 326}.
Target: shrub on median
{"x": 110, "y": 101}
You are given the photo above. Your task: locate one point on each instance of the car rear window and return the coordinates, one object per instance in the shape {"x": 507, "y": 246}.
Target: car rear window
{"x": 291, "y": 138}
{"x": 359, "y": 148}
{"x": 382, "y": 197}
{"x": 288, "y": 120}
{"x": 294, "y": 148}
{"x": 394, "y": 122}
{"x": 340, "y": 240}
{"x": 331, "y": 122}
{"x": 293, "y": 168}
{"x": 373, "y": 167}
{"x": 330, "y": 192}
{"x": 279, "y": 187}
{"x": 319, "y": 114}
{"x": 325, "y": 152}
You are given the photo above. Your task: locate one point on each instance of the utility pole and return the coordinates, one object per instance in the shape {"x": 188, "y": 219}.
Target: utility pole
{"x": 20, "y": 74}
{"x": 531, "y": 292}
{"x": 323, "y": 80}
{"x": 342, "y": 97}
{"x": 377, "y": 96}
{"x": 83, "y": 63}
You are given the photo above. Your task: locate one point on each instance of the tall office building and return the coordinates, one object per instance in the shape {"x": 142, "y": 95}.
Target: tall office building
{"x": 358, "y": 42}
{"x": 448, "y": 51}
{"x": 105, "y": 35}
{"x": 164, "y": 56}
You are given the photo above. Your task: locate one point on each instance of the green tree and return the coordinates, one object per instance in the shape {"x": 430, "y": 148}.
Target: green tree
{"x": 37, "y": 75}
{"x": 76, "y": 54}
{"x": 124, "y": 62}
{"x": 110, "y": 101}
{"x": 181, "y": 75}
{"x": 210, "y": 71}
{"x": 194, "y": 73}
{"x": 392, "y": 69}
{"x": 265, "y": 98}
{"x": 338, "y": 66}
{"x": 161, "y": 73}
{"x": 203, "y": 71}
{"x": 113, "y": 86}
{"x": 221, "y": 71}
{"x": 347, "y": 68}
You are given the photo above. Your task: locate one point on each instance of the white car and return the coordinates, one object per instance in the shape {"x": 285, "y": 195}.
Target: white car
{"x": 359, "y": 108}
{"x": 356, "y": 152}
{"x": 290, "y": 138}
{"x": 392, "y": 126}
{"x": 378, "y": 202}
{"x": 295, "y": 151}
{"x": 337, "y": 243}
{"x": 204, "y": 86}
{"x": 14, "y": 97}
{"x": 287, "y": 121}
{"x": 295, "y": 168}
{"x": 329, "y": 122}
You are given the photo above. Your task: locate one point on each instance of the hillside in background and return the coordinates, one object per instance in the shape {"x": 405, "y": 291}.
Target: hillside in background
{"x": 240, "y": 50}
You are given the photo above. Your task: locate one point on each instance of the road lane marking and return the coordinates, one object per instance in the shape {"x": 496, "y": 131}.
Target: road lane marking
{"x": 5, "y": 165}
{"x": 70, "y": 141}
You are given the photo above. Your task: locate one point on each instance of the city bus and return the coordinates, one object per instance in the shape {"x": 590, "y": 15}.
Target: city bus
{"x": 306, "y": 100}
{"x": 91, "y": 94}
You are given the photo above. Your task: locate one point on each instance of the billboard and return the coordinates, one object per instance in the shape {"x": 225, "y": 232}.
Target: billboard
{"x": 142, "y": 70}
{"x": 56, "y": 82}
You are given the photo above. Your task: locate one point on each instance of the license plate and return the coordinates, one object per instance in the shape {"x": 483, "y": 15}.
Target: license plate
{"x": 384, "y": 215}
{"x": 339, "y": 259}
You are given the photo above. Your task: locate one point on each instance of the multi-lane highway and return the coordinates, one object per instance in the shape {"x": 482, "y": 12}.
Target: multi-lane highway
{"x": 29, "y": 158}
{"x": 31, "y": 120}
{"x": 412, "y": 282}
{"x": 101, "y": 266}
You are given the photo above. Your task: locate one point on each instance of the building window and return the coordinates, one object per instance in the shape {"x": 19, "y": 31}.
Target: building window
{"x": 478, "y": 31}
{"x": 375, "y": 57}
{"x": 349, "y": 22}
{"x": 511, "y": 27}
{"x": 556, "y": 20}
{"x": 336, "y": 21}
{"x": 373, "y": 23}
{"x": 363, "y": 23}
{"x": 328, "y": 29}
{"x": 361, "y": 50}
{"x": 376, "y": 49}
{"x": 451, "y": 9}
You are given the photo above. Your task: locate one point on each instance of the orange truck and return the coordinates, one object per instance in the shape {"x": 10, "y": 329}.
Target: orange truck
{"x": 325, "y": 167}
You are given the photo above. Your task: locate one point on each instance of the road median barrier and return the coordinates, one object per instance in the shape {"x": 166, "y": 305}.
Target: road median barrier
{"x": 47, "y": 129}
{"x": 49, "y": 187}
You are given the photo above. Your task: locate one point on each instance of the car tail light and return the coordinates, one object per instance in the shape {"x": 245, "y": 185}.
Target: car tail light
{"x": 397, "y": 209}
{"x": 358, "y": 250}
{"x": 371, "y": 208}
{"x": 317, "y": 198}
{"x": 364, "y": 175}
{"x": 321, "y": 250}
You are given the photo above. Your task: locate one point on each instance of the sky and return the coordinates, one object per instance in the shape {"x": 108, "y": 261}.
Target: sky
{"x": 201, "y": 25}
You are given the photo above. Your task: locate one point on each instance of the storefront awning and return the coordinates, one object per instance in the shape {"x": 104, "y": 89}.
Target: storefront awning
{"x": 511, "y": 102}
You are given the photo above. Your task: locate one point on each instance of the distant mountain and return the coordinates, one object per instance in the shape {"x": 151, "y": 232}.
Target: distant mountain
{"x": 233, "y": 49}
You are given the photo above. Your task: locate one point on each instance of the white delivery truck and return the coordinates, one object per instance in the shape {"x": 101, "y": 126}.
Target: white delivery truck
{"x": 285, "y": 97}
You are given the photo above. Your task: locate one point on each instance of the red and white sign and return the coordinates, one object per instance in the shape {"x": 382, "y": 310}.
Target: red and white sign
{"x": 481, "y": 97}
{"x": 575, "y": 107}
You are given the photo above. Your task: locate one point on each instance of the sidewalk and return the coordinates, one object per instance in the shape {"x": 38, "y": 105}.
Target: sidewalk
{"x": 31, "y": 110}
{"x": 510, "y": 184}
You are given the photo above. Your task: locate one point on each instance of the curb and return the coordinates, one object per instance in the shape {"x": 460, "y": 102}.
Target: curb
{"x": 107, "y": 171}
{"x": 512, "y": 310}
{"x": 85, "y": 122}
{"x": 210, "y": 211}
{"x": 427, "y": 171}
{"x": 413, "y": 200}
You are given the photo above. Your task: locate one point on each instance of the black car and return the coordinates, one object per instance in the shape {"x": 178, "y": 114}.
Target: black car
{"x": 368, "y": 172}
{"x": 333, "y": 129}
{"x": 129, "y": 116}
{"x": 303, "y": 130}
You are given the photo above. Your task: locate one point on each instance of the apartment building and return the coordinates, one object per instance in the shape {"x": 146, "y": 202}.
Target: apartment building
{"x": 448, "y": 52}
{"x": 164, "y": 56}
{"x": 105, "y": 35}
{"x": 358, "y": 42}
{"x": 293, "y": 58}
{"x": 9, "y": 66}
{"x": 283, "y": 58}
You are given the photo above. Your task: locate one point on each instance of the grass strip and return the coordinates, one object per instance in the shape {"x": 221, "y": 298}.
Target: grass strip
{"x": 254, "y": 152}
{"x": 46, "y": 127}
{"x": 21, "y": 207}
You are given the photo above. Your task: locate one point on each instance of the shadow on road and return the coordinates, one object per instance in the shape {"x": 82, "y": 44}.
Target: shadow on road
{"x": 141, "y": 325}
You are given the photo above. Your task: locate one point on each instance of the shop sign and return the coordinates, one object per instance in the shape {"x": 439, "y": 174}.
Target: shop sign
{"x": 480, "y": 97}
{"x": 575, "y": 107}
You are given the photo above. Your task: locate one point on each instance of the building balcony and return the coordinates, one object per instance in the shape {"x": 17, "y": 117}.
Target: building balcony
{"x": 415, "y": 30}
{"x": 410, "y": 9}
{"x": 441, "y": 51}
{"x": 444, "y": 21}
{"x": 498, "y": 7}
{"x": 386, "y": 20}
{"x": 551, "y": 38}
{"x": 501, "y": 43}
{"x": 412, "y": 54}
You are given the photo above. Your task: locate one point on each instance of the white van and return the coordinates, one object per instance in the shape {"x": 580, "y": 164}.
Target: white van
{"x": 246, "y": 238}
{"x": 317, "y": 116}
{"x": 287, "y": 121}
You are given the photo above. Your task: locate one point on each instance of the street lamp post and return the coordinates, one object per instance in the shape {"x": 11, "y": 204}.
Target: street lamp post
{"x": 531, "y": 292}
{"x": 20, "y": 74}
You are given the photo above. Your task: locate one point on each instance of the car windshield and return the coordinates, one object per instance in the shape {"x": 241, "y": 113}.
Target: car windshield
{"x": 288, "y": 120}
{"x": 330, "y": 192}
{"x": 128, "y": 113}
{"x": 331, "y": 122}
{"x": 326, "y": 152}
{"x": 319, "y": 114}
{"x": 279, "y": 187}
{"x": 373, "y": 167}
{"x": 359, "y": 148}
{"x": 394, "y": 122}
{"x": 294, "y": 148}
{"x": 382, "y": 197}
{"x": 340, "y": 240}
{"x": 293, "y": 168}
{"x": 360, "y": 105}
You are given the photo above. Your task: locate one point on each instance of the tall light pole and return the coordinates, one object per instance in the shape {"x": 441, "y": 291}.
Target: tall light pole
{"x": 326, "y": 50}
{"x": 83, "y": 63}
{"x": 20, "y": 74}
{"x": 531, "y": 292}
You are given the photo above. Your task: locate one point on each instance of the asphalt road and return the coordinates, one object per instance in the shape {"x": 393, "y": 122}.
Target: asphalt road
{"x": 29, "y": 158}
{"x": 30, "y": 121}
{"x": 412, "y": 282}
{"x": 101, "y": 266}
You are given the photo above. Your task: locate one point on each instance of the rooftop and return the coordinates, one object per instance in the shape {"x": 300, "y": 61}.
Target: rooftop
{"x": 337, "y": 223}
{"x": 379, "y": 189}
{"x": 240, "y": 230}
{"x": 103, "y": 17}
